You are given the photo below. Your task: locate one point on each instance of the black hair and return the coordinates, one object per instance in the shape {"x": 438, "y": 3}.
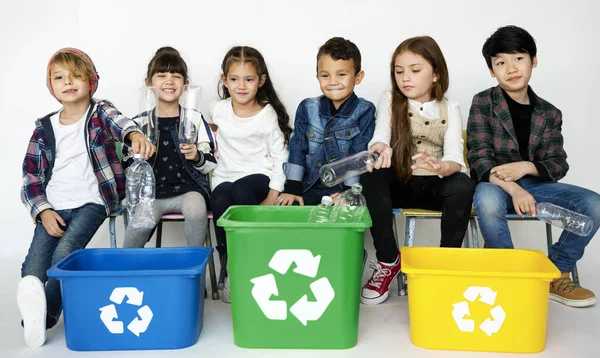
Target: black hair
{"x": 266, "y": 93}
{"x": 167, "y": 60}
{"x": 508, "y": 39}
{"x": 341, "y": 49}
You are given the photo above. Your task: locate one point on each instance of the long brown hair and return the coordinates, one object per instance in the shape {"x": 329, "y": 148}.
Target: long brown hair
{"x": 266, "y": 94}
{"x": 402, "y": 144}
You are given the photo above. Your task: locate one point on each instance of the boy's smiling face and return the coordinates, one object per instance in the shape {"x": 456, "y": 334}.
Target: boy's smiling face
{"x": 513, "y": 71}
{"x": 69, "y": 87}
{"x": 337, "y": 78}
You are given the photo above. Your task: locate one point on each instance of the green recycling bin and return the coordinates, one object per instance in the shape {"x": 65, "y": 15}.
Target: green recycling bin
{"x": 294, "y": 284}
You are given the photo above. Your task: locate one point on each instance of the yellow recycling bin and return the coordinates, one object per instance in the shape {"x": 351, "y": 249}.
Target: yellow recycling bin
{"x": 492, "y": 300}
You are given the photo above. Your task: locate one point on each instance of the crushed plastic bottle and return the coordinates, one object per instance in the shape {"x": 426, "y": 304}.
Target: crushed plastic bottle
{"x": 349, "y": 206}
{"x": 140, "y": 192}
{"x": 321, "y": 212}
{"x": 571, "y": 221}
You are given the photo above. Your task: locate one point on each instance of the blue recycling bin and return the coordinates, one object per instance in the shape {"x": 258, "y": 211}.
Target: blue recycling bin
{"x": 132, "y": 299}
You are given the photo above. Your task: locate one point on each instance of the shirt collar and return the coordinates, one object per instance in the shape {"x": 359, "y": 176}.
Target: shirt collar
{"x": 328, "y": 109}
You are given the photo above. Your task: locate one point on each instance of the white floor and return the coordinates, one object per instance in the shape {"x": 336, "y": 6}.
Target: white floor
{"x": 384, "y": 329}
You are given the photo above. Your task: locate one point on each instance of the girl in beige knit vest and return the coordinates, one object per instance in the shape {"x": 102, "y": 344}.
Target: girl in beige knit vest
{"x": 418, "y": 135}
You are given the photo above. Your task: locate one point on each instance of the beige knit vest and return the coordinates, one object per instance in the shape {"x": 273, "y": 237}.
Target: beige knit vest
{"x": 428, "y": 134}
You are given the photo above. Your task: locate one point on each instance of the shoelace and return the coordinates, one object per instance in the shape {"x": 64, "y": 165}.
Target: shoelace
{"x": 565, "y": 284}
{"x": 379, "y": 273}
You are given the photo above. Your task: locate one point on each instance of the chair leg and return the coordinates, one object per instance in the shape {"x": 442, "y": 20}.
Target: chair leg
{"x": 409, "y": 239}
{"x": 223, "y": 272}
{"x": 411, "y": 222}
{"x": 211, "y": 266}
{"x": 474, "y": 234}
{"x": 398, "y": 278}
{"x": 158, "y": 234}
{"x": 112, "y": 231}
{"x": 575, "y": 275}
{"x": 549, "y": 236}
{"x": 365, "y": 255}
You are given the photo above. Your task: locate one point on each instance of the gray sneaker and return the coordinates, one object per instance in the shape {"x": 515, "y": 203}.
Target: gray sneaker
{"x": 226, "y": 295}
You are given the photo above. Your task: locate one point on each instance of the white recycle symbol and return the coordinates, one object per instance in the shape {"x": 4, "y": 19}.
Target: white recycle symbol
{"x": 486, "y": 295}
{"x": 136, "y": 326}
{"x": 307, "y": 265}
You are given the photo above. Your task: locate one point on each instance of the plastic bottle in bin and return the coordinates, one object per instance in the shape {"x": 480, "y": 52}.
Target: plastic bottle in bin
{"x": 349, "y": 206}
{"x": 140, "y": 192}
{"x": 321, "y": 212}
{"x": 563, "y": 218}
{"x": 337, "y": 172}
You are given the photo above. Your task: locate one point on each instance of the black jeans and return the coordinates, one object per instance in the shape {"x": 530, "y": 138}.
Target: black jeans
{"x": 453, "y": 195}
{"x": 249, "y": 190}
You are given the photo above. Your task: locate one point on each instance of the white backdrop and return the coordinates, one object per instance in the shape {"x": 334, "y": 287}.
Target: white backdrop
{"x": 121, "y": 37}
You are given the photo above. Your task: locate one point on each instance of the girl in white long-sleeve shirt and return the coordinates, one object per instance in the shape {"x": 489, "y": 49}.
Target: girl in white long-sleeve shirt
{"x": 418, "y": 134}
{"x": 252, "y": 136}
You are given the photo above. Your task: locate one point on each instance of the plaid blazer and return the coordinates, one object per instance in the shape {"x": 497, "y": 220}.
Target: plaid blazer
{"x": 492, "y": 140}
{"x": 105, "y": 125}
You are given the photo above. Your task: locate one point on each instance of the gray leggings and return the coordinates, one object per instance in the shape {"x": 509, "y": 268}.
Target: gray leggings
{"x": 193, "y": 208}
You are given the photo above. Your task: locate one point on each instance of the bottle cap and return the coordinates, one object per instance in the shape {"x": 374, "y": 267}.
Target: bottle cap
{"x": 137, "y": 156}
{"x": 326, "y": 200}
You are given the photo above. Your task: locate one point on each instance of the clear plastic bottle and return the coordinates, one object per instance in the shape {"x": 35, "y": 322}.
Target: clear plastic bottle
{"x": 337, "y": 172}
{"x": 321, "y": 212}
{"x": 349, "y": 206}
{"x": 571, "y": 221}
{"x": 140, "y": 192}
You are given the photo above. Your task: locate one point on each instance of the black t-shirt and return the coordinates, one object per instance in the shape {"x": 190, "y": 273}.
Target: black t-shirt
{"x": 172, "y": 178}
{"x": 521, "y": 119}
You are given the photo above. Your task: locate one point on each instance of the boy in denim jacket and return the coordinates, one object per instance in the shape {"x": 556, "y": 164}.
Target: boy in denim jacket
{"x": 329, "y": 127}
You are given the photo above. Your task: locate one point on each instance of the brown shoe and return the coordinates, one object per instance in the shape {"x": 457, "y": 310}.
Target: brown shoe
{"x": 567, "y": 292}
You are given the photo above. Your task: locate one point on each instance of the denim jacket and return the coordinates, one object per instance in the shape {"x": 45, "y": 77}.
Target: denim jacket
{"x": 321, "y": 137}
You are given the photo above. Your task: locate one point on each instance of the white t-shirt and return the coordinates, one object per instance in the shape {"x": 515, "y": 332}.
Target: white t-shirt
{"x": 453, "y": 140}
{"x": 253, "y": 145}
{"x": 73, "y": 183}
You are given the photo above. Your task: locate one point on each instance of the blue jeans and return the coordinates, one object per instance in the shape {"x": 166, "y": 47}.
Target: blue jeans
{"x": 45, "y": 250}
{"x": 492, "y": 204}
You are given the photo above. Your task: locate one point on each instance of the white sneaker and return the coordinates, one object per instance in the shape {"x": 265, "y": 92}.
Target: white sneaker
{"x": 226, "y": 295}
{"x": 31, "y": 299}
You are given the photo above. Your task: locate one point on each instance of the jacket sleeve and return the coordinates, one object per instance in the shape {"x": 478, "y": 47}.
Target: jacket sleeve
{"x": 117, "y": 124}
{"x": 33, "y": 191}
{"x": 127, "y": 152}
{"x": 480, "y": 148}
{"x": 366, "y": 124}
{"x": 295, "y": 167}
{"x": 556, "y": 161}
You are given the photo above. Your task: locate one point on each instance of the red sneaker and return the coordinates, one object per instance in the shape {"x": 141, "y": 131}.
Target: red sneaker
{"x": 377, "y": 289}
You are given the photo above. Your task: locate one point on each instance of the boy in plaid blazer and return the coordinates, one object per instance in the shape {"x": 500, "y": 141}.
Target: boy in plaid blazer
{"x": 515, "y": 150}
{"x": 72, "y": 179}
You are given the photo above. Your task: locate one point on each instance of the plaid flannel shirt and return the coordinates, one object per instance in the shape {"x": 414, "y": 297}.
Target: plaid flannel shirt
{"x": 492, "y": 140}
{"x": 105, "y": 125}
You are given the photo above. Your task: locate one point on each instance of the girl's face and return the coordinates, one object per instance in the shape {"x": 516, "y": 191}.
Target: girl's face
{"x": 414, "y": 76}
{"x": 243, "y": 82}
{"x": 169, "y": 86}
